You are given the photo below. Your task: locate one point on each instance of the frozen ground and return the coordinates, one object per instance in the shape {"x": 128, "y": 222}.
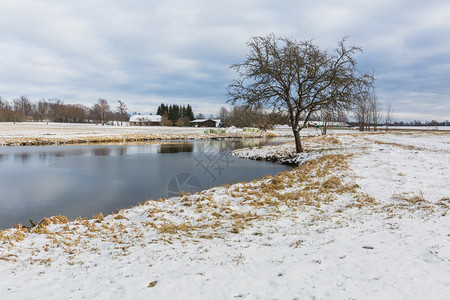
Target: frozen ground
{"x": 41, "y": 133}
{"x": 66, "y": 130}
{"x": 364, "y": 217}
{"x": 427, "y": 128}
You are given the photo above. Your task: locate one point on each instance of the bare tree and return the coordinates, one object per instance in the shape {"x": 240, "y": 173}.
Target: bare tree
{"x": 186, "y": 121}
{"x": 362, "y": 111}
{"x": 297, "y": 78}
{"x": 55, "y": 109}
{"x": 223, "y": 115}
{"x": 5, "y": 110}
{"x": 102, "y": 109}
{"x": 264, "y": 118}
{"x": 342, "y": 116}
{"x": 388, "y": 116}
{"x": 122, "y": 112}
{"x": 367, "y": 110}
{"x": 240, "y": 117}
{"x": 375, "y": 110}
{"x": 165, "y": 121}
{"x": 326, "y": 115}
{"x": 434, "y": 124}
{"x": 42, "y": 110}
{"x": 23, "y": 106}
{"x": 254, "y": 116}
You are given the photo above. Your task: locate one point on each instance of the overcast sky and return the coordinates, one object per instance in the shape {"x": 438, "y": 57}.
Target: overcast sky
{"x": 146, "y": 52}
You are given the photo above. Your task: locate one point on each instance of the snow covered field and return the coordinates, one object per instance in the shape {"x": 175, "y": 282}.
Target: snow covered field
{"x": 366, "y": 216}
{"x": 38, "y": 133}
{"x": 406, "y": 128}
{"x": 42, "y": 129}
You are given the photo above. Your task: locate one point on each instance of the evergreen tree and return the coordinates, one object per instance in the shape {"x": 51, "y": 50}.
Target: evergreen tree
{"x": 183, "y": 112}
{"x": 189, "y": 112}
{"x": 162, "y": 109}
{"x": 175, "y": 112}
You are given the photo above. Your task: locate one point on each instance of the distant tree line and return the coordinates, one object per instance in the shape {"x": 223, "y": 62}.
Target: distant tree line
{"x": 175, "y": 114}
{"x": 54, "y": 110}
{"x": 250, "y": 116}
{"x": 368, "y": 114}
{"x": 298, "y": 79}
{"x": 411, "y": 123}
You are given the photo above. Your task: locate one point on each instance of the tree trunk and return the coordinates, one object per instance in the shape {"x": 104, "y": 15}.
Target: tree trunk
{"x": 324, "y": 127}
{"x": 298, "y": 142}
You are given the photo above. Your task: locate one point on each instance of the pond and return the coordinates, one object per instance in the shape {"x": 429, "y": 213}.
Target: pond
{"x": 81, "y": 181}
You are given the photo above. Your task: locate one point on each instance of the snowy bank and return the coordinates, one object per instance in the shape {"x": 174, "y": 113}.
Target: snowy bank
{"x": 345, "y": 225}
{"x": 285, "y": 153}
{"x": 33, "y": 134}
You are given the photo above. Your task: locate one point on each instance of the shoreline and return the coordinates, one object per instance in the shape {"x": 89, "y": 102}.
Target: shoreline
{"x": 18, "y": 142}
{"x": 280, "y": 154}
{"x": 42, "y": 134}
{"x": 302, "y": 233}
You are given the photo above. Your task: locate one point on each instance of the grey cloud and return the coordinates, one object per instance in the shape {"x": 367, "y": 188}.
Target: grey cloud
{"x": 153, "y": 51}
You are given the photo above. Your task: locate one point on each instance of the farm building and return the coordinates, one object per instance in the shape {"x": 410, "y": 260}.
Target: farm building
{"x": 206, "y": 123}
{"x": 329, "y": 124}
{"x": 145, "y": 120}
{"x": 313, "y": 124}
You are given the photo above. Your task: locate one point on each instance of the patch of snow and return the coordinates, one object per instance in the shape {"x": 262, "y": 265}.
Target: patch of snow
{"x": 390, "y": 249}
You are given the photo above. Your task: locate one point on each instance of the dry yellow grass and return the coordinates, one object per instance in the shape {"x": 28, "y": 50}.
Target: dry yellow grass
{"x": 313, "y": 187}
{"x": 98, "y": 218}
{"x": 413, "y": 199}
{"x": 122, "y": 139}
{"x": 169, "y": 227}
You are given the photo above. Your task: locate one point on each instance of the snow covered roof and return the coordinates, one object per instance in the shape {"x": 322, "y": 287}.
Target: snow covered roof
{"x": 321, "y": 123}
{"x": 278, "y": 126}
{"x": 315, "y": 123}
{"x": 145, "y": 118}
{"x": 203, "y": 120}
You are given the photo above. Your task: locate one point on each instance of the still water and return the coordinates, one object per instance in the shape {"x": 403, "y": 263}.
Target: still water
{"x": 38, "y": 182}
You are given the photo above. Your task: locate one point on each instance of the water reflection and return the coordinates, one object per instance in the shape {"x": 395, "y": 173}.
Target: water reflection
{"x": 47, "y": 153}
{"x": 25, "y": 155}
{"x": 120, "y": 150}
{"x": 176, "y": 147}
{"x": 37, "y": 182}
{"x": 104, "y": 151}
{"x": 22, "y": 157}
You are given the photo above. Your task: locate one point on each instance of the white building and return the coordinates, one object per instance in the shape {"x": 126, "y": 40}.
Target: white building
{"x": 145, "y": 120}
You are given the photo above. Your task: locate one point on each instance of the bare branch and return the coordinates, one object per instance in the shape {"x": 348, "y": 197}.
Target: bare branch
{"x": 298, "y": 78}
